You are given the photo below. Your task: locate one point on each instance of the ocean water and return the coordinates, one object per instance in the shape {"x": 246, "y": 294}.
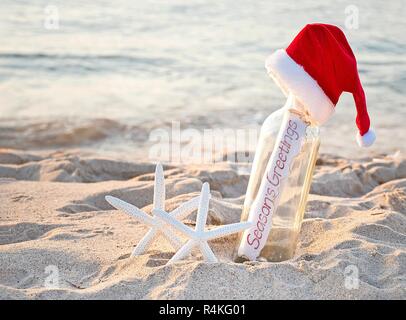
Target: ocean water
{"x": 112, "y": 72}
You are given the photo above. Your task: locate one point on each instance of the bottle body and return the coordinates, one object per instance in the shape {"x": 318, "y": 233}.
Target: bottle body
{"x": 278, "y": 187}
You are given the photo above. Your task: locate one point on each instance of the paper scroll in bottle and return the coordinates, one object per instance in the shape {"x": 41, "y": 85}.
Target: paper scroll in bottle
{"x": 287, "y": 147}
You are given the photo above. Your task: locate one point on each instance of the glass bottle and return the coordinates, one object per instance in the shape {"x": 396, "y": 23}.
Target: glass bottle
{"x": 279, "y": 184}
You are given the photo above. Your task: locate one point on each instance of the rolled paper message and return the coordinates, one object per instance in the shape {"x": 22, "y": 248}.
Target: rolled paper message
{"x": 287, "y": 146}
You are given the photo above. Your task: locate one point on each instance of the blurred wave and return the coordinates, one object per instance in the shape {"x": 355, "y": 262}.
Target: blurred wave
{"x": 71, "y": 63}
{"x": 57, "y": 132}
{"x": 115, "y": 70}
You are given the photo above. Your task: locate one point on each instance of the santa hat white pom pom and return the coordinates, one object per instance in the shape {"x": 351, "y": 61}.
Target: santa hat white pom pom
{"x": 367, "y": 139}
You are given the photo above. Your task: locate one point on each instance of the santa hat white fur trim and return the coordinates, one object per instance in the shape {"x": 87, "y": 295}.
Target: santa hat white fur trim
{"x": 292, "y": 78}
{"x": 367, "y": 139}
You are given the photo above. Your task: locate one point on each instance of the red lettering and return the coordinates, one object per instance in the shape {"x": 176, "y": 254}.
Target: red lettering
{"x": 255, "y": 240}
{"x": 293, "y": 124}
{"x": 280, "y": 164}
{"x": 261, "y": 228}
{"x": 258, "y": 236}
{"x": 283, "y": 157}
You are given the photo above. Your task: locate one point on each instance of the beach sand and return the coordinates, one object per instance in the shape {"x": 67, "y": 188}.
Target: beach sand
{"x": 54, "y": 221}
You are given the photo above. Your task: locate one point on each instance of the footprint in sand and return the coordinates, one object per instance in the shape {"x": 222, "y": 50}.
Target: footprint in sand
{"x": 21, "y": 232}
{"x": 159, "y": 259}
{"x": 21, "y": 198}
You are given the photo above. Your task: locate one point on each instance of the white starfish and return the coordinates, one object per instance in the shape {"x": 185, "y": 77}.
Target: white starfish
{"x": 157, "y": 225}
{"x": 198, "y": 236}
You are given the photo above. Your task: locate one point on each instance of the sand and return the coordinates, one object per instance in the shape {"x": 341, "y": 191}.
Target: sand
{"x": 59, "y": 238}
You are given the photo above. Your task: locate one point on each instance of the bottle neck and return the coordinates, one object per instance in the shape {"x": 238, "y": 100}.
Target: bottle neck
{"x": 293, "y": 105}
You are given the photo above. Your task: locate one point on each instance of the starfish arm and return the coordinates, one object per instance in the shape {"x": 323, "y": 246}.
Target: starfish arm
{"x": 145, "y": 242}
{"x": 159, "y": 188}
{"x": 172, "y": 238}
{"x": 131, "y": 210}
{"x": 186, "y": 208}
{"x": 226, "y": 230}
{"x": 183, "y": 252}
{"x": 207, "y": 252}
{"x": 203, "y": 207}
{"x": 173, "y": 222}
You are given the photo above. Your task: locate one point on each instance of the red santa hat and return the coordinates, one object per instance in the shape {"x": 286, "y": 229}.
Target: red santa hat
{"x": 316, "y": 68}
